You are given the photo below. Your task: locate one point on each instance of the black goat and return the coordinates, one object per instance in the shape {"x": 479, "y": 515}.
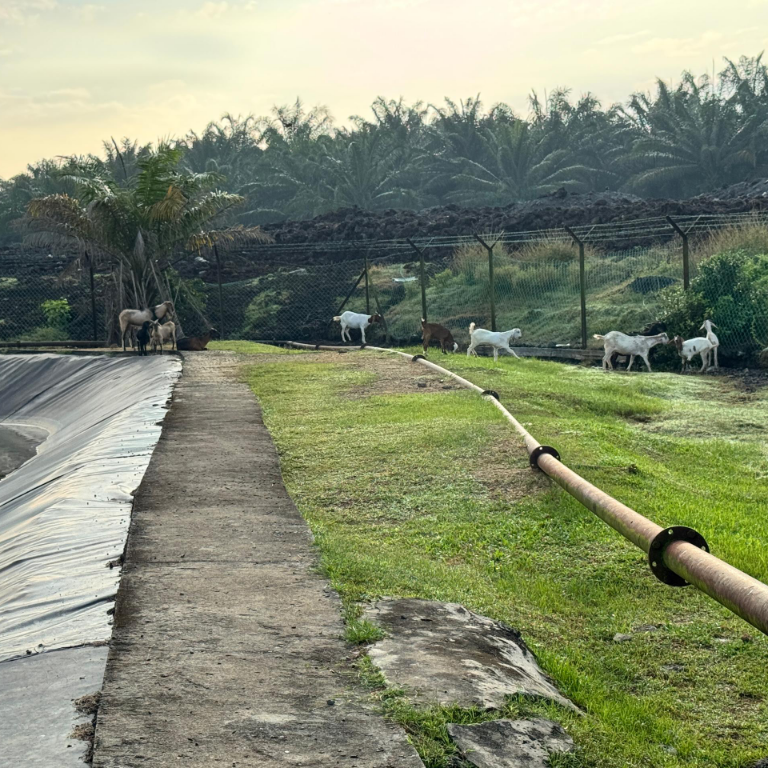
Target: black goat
{"x": 143, "y": 337}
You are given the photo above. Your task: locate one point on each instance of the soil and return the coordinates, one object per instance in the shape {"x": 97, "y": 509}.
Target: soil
{"x": 395, "y": 376}
{"x": 355, "y": 224}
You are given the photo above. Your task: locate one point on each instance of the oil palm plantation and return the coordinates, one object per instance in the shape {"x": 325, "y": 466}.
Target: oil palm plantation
{"x": 691, "y": 139}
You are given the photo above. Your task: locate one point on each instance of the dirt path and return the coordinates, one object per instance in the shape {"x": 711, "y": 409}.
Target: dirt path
{"x": 227, "y": 646}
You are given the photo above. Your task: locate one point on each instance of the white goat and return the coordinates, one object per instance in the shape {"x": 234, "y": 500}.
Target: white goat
{"x": 497, "y": 339}
{"x": 163, "y": 332}
{"x": 713, "y": 340}
{"x": 634, "y": 346}
{"x": 357, "y": 321}
{"x": 692, "y": 347}
{"x": 135, "y": 318}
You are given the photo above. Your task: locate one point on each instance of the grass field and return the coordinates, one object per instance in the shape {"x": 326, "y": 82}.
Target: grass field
{"x": 427, "y": 493}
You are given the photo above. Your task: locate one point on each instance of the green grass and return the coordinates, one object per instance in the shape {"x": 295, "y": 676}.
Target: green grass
{"x": 439, "y": 504}
{"x": 251, "y": 348}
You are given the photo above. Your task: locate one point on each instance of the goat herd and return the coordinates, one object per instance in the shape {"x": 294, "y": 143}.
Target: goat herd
{"x": 613, "y": 342}
{"x": 153, "y": 331}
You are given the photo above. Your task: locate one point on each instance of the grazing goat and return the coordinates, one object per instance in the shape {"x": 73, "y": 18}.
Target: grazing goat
{"x": 355, "y": 320}
{"x": 142, "y": 337}
{"x": 497, "y": 339}
{"x": 195, "y": 343}
{"x": 688, "y": 349}
{"x": 135, "y": 318}
{"x": 615, "y": 341}
{"x": 713, "y": 340}
{"x": 163, "y": 332}
{"x": 439, "y": 333}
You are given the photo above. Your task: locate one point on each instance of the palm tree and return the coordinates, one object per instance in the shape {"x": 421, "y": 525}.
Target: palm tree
{"x": 364, "y": 170}
{"x": 519, "y": 162}
{"x": 691, "y": 140}
{"x": 130, "y": 226}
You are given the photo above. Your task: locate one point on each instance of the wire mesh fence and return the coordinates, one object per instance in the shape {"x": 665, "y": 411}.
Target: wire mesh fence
{"x": 286, "y": 291}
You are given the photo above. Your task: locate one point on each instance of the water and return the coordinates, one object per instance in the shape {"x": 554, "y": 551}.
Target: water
{"x": 16, "y": 446}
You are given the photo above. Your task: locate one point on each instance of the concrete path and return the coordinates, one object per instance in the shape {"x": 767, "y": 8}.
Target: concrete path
{"x": 227, "y": 647}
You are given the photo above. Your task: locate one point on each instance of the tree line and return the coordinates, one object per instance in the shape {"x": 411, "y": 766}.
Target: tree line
{"x": 683, "y": 139}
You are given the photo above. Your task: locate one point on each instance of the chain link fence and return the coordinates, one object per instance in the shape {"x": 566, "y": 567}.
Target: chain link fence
{"x": 535, "y": 286}
{"x": 536, "y": 289}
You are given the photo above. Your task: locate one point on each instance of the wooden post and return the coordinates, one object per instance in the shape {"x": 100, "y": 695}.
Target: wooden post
{"x": 491, "y": 286}
{"x": 221, "y": 293}
{"x": 686, "y": 263}
{"x": 93, "y": 298}
{"x": 582, "y": 287}
{"x": 367, "y": 289}
{"x": 422, "y": 278}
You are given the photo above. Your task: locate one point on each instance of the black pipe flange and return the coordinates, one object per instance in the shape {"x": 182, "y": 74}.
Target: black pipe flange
{"x": 542, "y": 450}
{"x": 491, "y": 392}
{"x": 417, "y": 357}
{"x": 661, "y": 542}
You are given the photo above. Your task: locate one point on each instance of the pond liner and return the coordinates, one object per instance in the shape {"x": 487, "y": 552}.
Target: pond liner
{"x": 65, "y": 512}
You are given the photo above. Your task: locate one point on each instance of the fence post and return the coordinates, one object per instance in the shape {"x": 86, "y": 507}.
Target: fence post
{"x": 686, "y": 262}
{"x": 582, "y": 287}
{"x": 387, "y": 336}
{"x": 422, "y": 279}
{"x": 491, "y": 286}
{"x": 93, "y": 297}
{"x": 221, "y": 293}
{"x": 367, "y": 290}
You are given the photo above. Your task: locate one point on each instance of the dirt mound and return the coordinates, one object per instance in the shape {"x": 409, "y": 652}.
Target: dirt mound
{"x": 553, "y": 211}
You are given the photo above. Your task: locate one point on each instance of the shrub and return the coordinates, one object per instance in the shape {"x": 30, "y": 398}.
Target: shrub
{"x": 57, "y": 313}
{"x": 731, "y": 289}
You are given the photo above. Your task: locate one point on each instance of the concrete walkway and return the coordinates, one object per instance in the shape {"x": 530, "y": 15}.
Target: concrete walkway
{"x": 227, "y": 646}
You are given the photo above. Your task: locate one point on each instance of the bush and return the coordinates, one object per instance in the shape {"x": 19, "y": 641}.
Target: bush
{"x": 57, "y": 313}
{"x": 731, "y": 289}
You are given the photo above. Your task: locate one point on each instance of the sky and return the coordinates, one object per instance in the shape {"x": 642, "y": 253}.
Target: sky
{"x": 74, "y": 73}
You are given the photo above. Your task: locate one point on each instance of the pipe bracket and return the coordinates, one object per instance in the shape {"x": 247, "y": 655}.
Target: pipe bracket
{"x": 417, "y": 357}
{"x": 491, "y": 392}
{"x": 542, "y": 450}
{"x": 659, "y": 545}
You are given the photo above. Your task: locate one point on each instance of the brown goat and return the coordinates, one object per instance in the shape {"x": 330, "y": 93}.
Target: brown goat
{"x": 439, "y": 333}
{"x": 195, "y": 343}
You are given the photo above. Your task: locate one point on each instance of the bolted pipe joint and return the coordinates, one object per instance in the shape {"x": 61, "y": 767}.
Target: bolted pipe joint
{"x": 542, "y": 450}
{"x": 659, "y": 545}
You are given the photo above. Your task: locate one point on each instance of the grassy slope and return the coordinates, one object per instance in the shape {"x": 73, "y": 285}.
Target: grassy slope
{"x": 416, "y": 513}
{"x": 251, "y": 348}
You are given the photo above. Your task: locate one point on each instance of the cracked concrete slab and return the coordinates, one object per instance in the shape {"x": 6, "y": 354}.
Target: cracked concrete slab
{"x": 228, "y": 646}
{"x": 510, "y": 743}
{"x": 441, "y": 652}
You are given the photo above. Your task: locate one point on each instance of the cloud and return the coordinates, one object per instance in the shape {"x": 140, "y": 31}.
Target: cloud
{"x": 89, "y": 12}
{"x": 213, "y": 10}
{"x": 24, "y": 11}
{"x": 680, "y": 47}
{"x": 623, "y": 38}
